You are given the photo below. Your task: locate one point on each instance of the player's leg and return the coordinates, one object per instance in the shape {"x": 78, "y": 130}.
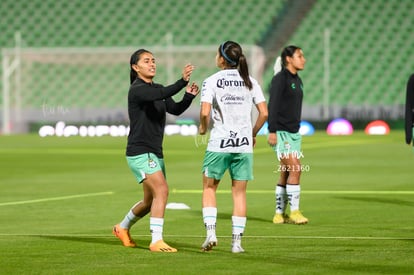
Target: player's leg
{"x": 281, "y": 196}
{"x": 157, "y": 185}
{"x": 238, "y": 190}
{"x": 139, "y": 210}
{"x": 209, "y": 209}
{"x": 239, "y": 214}
{"x": 293, "y": 189}
{"x": 214, "y": 166}
{"x": 282, "y": 150}
{"x": 289, "y": 153}
{"x": 139, "y": 167}
{"x": 241, "y": 170}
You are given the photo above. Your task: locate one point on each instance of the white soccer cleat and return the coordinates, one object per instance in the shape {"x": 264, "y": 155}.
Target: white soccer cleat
{"x": 209, "y": 243}
{"x": 236, "y": 248}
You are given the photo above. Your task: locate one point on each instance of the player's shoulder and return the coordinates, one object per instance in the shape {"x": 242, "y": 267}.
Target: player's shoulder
{"x": 279, "y": 75}
{"x": 254, "y": 81}
{"x": 213, "y": 79}
{"x": 279, "y": 78}
{"x": 210, "y": 78}
{"x": 411, "y": 78}
{"x": 217, "y": 75}
{"x": 283, "y": 73}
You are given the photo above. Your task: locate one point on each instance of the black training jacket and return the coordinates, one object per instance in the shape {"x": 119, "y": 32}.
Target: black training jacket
{"x": 285, "y": 102}
{"x": 148, "y": 104}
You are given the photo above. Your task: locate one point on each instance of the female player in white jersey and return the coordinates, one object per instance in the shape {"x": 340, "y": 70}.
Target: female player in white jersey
{"x": 228, "y": 97}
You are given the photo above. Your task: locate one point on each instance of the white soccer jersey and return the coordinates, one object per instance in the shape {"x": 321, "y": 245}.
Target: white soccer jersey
{"x": 232, "y": 104}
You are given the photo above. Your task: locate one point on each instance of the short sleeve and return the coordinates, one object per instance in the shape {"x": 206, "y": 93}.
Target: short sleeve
{"x": 207, "y": 92}
{"x": 258, "y": 95}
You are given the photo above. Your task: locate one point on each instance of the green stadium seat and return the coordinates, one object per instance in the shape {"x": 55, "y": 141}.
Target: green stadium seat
{"x": 368, "y": 38}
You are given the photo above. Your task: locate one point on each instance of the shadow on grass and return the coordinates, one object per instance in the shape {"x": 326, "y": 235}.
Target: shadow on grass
{"x": 86, "y": 239}
{"x": 189, "y": 246}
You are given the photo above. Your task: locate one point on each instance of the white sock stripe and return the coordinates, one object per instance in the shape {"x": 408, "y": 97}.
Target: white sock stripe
{"x": 239, "y": 226}
{"x": 152, "y": 224}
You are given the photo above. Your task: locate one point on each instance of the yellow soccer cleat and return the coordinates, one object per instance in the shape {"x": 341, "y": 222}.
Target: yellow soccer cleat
{"x": 123, "y": 235}
{"x": 296, "y": 217}
{"x": 280, "y": 218}
{"x": 161, "y": 246}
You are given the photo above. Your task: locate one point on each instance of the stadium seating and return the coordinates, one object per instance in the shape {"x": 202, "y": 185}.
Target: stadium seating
{"x": 370, "y": 45}
{"x": 126, "y": 23}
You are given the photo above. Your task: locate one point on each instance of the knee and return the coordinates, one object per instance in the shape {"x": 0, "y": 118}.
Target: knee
{"x": 162, "y": 191}
{"x": 146, "y": 205}
{"x": 293, "y": 179}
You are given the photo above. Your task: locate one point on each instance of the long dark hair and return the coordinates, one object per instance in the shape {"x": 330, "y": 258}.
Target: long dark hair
{"x": 134, "y": 60}
{"x": 288, "y": 51}
{"x": 234, "y": 57}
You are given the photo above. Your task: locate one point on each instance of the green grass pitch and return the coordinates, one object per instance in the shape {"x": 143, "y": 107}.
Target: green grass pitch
{"x": 60, "y": 197}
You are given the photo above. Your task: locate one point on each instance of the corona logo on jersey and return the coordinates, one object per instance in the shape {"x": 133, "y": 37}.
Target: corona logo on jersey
{"x": 223, "y": 83}
{"x": 234, "y": 141}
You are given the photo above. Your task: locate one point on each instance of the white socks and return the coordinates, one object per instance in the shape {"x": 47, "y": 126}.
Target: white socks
{"x": 293, "y": 193}
{"x": 210, "y": 219}
{"x": 238, "y": 225}
{"x": 281, "y": 199}
{"x": 156, "y": 227}
{"x": 130, "y": 219}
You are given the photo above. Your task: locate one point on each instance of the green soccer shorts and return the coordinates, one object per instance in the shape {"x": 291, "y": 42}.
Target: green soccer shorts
{"x": 288, "y": 145}
{"x": 240, "y": 165}
{"x": 145, "y": 164}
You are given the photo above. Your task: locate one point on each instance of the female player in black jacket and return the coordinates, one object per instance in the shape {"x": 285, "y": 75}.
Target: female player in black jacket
{"x": 148, "y": 104}
{"x": 285, "y": 109}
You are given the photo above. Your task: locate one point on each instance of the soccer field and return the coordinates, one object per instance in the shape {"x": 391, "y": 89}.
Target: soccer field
{"x": 60, "y": 198}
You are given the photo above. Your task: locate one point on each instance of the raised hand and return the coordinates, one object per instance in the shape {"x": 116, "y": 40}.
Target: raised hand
{"x": 193, "y": 89}
{"x": 187, "y": 71}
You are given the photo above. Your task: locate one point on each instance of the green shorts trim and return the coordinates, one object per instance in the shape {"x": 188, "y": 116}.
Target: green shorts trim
{"x": 240, "y": 165}
{"x": 145, "y": 164}
{"x": 288, "y": 144}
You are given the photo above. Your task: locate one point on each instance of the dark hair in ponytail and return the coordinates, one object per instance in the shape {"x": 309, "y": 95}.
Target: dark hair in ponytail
{"x": 288, "y": 51}
{"x": 234, "y": 57}
{"x": 134, "y": 60}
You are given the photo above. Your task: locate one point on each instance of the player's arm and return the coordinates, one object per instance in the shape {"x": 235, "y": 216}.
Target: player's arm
{"x": 261, "y": 119}
{"x": 143, "y": 92}
{"x": 177, "y": 108}
{"x": 204, "y": 117}
{"x": 275, "y": 98}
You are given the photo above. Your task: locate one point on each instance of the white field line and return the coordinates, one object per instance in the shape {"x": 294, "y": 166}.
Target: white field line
{"x": 329, "y": 192}
{"x": 104, "y": 236}
{"x": 57, "y": 198}
{"x": 198, "y": 191}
